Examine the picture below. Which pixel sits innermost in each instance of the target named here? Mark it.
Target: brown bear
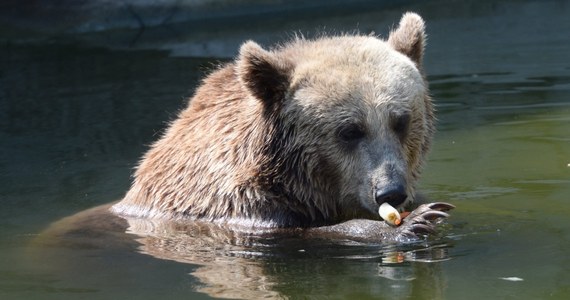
(311, 134)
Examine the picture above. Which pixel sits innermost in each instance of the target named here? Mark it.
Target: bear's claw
(423, 229)
(441, 206)
(420, 221)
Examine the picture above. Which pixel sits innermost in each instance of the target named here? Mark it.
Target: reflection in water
(432, 253)
(250, 265)
(253, 266)
(227, 265)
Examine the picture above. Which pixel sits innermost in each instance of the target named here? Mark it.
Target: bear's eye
(401, 124)
(351, 133)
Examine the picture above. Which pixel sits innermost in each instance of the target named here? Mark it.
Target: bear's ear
(263, 74)
(409, 38)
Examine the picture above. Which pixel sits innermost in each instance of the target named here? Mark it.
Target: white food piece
(389, 214)
(511, 278)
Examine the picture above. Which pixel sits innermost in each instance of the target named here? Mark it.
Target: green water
(75, 118)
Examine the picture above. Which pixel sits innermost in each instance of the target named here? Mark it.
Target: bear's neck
(226, 159)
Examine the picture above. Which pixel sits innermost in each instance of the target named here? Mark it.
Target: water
(75, 117)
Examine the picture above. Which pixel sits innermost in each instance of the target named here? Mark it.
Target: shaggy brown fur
(299, 136)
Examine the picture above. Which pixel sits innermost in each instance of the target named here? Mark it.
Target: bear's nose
(393, 194)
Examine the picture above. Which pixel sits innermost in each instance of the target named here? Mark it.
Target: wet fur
(247, 151)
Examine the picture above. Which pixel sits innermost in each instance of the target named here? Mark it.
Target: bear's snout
(393, 193)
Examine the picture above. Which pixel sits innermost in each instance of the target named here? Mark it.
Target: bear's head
(352, 118)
